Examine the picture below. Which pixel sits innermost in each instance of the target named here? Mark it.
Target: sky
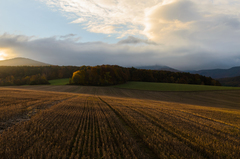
(183, 34)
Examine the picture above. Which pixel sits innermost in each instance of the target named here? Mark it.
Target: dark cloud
(134, 40)
(64, 52)
(67, 36)
(70, 37)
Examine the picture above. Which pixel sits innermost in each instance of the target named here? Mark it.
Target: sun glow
(2, 55)
(5, 54)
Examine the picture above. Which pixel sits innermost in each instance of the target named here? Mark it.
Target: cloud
(67, 36)
(70, 37)
(193, 34)
(183, 11)
(105, 16)
(66, 52)
(200, 25)
(106, 29)
(79, 20)
(175, 23)
(134, 40)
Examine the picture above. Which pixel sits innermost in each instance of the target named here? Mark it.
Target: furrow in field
(19, 112)
(209, 119)
(117, 146)
(220, 129)
(163, 129)
(156, 139)
(40, 135)
(74, 146)
(218, 126)
(200, 137)
(138, 146)
(50, 125)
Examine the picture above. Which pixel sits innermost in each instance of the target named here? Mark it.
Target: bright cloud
(189, 22)
(156, 19)
(106, 16)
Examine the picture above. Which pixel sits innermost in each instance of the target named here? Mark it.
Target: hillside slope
(233, 81)
(158, 67)
(219, 73)
(20, 61)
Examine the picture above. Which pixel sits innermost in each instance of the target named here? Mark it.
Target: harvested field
(224, 99)
(156, 86)
(17, 106)
(98, 122)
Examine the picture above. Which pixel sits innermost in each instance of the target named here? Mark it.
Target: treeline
(97, 75)
(33, 75)
(113, 74)
(232, 81)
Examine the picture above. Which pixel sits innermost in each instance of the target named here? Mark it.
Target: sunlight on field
(58, 125)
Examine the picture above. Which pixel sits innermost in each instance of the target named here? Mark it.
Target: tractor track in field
(209, 119)
(194, 124)
(181, 137)
(134, 134)
(75, 138)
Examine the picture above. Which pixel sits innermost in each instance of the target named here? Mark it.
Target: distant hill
(233, 81)
(219, 73)
(158, 67)
(20, 61)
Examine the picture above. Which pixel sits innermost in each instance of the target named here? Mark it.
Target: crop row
(16, 104)
(86, 126)
(171, 132)
(79, 127)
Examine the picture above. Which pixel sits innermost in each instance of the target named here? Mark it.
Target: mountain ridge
(158, 67)
(22, 61)
(219, 73)
(231, 81)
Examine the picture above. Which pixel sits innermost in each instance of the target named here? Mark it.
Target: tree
(79, 77)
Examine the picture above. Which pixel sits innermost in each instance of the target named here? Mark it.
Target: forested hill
(111, 75)
(98, 75)
(233, 81)
(219, 73)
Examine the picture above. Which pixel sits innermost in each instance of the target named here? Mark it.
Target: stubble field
(105, 122)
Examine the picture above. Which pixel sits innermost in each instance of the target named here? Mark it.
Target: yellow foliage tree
(79, 77)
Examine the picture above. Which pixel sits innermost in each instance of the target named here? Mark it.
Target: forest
(33, 75)
(113, 74)
(95, 75)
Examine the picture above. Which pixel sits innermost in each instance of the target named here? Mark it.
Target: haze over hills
(158, 67)
(20, 61)
(219, 73)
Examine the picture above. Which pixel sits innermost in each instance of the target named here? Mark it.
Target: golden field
(105, 122)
